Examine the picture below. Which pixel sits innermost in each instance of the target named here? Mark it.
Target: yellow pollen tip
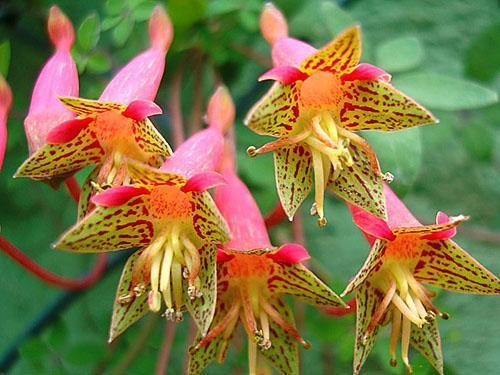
(393, 362)
(322, 222)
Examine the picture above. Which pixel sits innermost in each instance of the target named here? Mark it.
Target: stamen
(195, 258)
(279, 143)
(411, 304)
(177, 287)
(327, 121)
(422, 312)
(365, 146)
(401, 279)
(252, 357)
(319, 186)
(321, 134)
(405, 343)
(154, 298)
(399, 303)
(264, 323)
(395, 334)
(249, 321)
(382, 307)
(166, 269)
(279, 320)
(229, 318)
(424, 296)
(105, 169)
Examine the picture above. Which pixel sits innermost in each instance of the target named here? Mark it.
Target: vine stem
(73, 188)
(162, 364)
(49, 277)
(275, 216)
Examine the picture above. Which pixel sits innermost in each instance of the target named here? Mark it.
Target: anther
(192, 292)
(445, 316)
(139, 289)
(169, 314)
(393, 362)
(388, 177)
(178, 316)
(322, 222)
(185, 273)
(252, 151)
(125, 299)
(314, 210)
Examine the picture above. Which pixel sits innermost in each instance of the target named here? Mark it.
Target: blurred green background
(444, 53)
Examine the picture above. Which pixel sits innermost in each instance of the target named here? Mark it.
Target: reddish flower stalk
(275, 216)
(73, 188)
(49, 277)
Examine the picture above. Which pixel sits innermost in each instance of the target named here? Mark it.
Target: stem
(162, 364)
(197, 95)
(258, 57)
(341, 311)
(298, 230)
(174, 106)
(73, 188)
(51, 278)
(275, 216)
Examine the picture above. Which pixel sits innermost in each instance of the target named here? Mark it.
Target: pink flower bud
(273, 24)
(220, 112)
(141, 77)
(59, 77)
(5, 103)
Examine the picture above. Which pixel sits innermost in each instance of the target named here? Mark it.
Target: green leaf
(114, 7)
(335, 19)
(479, 141)
(399, 153)
(143, 10)
(110, 22)
(482, 58)
(98, 63)
(80, 60)
(400, 54)
(443, 92)
(89, 32)
(185, 13)
(57, 335)
(84, 352)
(4, 57)
(220, 7)
(122, 31)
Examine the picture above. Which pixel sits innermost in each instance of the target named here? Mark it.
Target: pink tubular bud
(220, 111)
(273, 25)
(160, 29)
(5, 103)
(59, 77)
(60, 29)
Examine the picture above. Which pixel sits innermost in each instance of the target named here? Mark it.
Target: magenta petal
(291, 52)
(117, 195)
(140, 109)
(290, 253)
(284, 74)
(203, 181)
(223, 257)
(5, 104)
(398, 215)
(442, 218)
(370, 224)
(367, 72)
(67, 131)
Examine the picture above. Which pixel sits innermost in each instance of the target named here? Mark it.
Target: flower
(5, 103)
(112, 128)
(389, 287)
(59, 77)
(321, 98)
(170, 216)
(252, 276)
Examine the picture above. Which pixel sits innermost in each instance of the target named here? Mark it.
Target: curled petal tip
(117, 196)
(140, 109)
(272, 23)
(221, 111)
(60, 29)
(291, 253)
(283, 74)
(161, 31)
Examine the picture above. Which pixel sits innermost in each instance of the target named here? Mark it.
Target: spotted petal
(63, 159)
(300, 282)
(360, 184)
(142, 174)
(87, 107)
(277, 112)
(110, 228)
(293, 173)
(429, 231)
(87, 190)
(446, 265)
(207, 221)
(128, 310)
(283, 353)
(428, 342)
(376, 105)
(373, 262)
(341, 55)
(149, 139)
(202, 308)
(367, 302)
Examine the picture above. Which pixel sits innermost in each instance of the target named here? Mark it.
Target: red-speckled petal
(110, 228)
(372, 264)
(140, 109)
(367, 301)
(290, 253)
(376, 105)
(62, 160)
(203, 181)
(149, 140)
(367, 72)
(87, 107)
(446, 265)
(277, 112)
(118, 195)
(360, 184)
(207, 221)
(142, 174)
(341, 55)
(428, 342)
(298, 281)
(126, 311)
(435, 231)
(87, 190)
(67, 131)
(293, 170)
(284, 74)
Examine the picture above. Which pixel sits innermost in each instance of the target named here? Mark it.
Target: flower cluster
(213, 257)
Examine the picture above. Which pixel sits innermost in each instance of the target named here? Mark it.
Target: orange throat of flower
(406, 301)
(172, 257)
(250, 299)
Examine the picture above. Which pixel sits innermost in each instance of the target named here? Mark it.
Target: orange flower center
(404, 246)
(245, 266)
(169, 202)
(321, 89)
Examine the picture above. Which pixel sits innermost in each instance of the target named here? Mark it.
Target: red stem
(52, 278)
(162, 364)
(341, 311)
(73, 188)
(276, 216)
